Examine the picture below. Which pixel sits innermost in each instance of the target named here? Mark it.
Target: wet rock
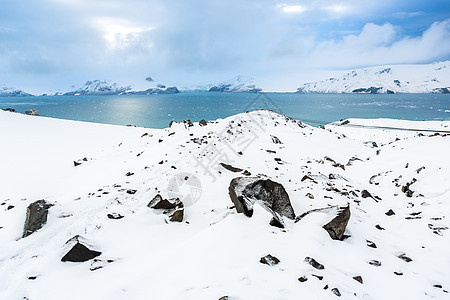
(336, 227)
(336, 292)
(36, 216)
(269, 260)
(231, 168)
(390, 213)
(79, 251)
(314, 263)
(245, 191)
(358, 278)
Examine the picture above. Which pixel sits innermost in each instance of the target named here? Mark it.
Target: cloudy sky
(51, 44)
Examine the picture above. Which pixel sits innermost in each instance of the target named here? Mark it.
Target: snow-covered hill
(97, 181)
(236, 85)
(99, 87)
(430, 78)
(12, 92)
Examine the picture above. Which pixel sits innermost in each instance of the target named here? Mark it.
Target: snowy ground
(215, 251)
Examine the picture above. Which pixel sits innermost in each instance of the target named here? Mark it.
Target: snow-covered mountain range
(12, 92)
(100, 87)
(428, 78)
(236, 85)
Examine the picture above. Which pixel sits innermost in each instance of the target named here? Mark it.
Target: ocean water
(156, 111)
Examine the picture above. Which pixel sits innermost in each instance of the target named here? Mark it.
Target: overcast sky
(46, 44)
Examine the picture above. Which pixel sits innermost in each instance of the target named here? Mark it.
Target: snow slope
(215, 252)
(237, 84)
(430, 78)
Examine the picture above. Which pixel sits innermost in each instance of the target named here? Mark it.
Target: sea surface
(156, 111)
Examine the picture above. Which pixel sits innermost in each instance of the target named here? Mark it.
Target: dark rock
(246, 173)
(224, 298)
(202, 123)
(366, 194)
(303, 279)
(390, 213)
(325, 287)
(317, 276)
(405, 189)
(36, 216)
(114, 216)
(99, 263)
(276, 140)
(75, 164)
(404, 257)
(336, 292)
(306, 177)
(231, 168)
(10, 207)
(80, 253)
(131, 192)
(269, 260)
(245, 191)
(345, 122)
(177, 215)
(379, 227)
(310, 196)
(336, 227)
(188, 123)
(439, 286)
(276, 222)
(314, 263)
(375, 263)
(398, 273)
(371, 244)
(129, 174)
(32, 277)
(159, 203)
(359, 279)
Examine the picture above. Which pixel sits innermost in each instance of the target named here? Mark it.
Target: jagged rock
(79, 252)
(336, 227)
(231, 168)
(314, 263)
(358, 278)
(174, 207)
(390, 213)
(366, 194)
(269, 260)
(245, 191)
(36, 216)
(371, 244)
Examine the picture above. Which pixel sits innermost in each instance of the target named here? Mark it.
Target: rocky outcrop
(336, 227)
(269, 260)
(32, 112)
(173, 208)
(245, 191)
(79, 251)
(36, 216)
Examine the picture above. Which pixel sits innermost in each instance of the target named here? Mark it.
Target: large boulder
(245, 191)
(36, 216)
(336, 227)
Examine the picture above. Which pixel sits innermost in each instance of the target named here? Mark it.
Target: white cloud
(377, 45)
(291, 8)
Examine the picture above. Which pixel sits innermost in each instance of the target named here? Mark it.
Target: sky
(46, 45)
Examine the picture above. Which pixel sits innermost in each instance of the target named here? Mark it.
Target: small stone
(336, 292)
(366, 194)
(358, 278)
(10, 207)
(404, 257)
(317, 276)
(306, 177)
(310, 196)
(269, 260)
(303, 279)
(246, 173)
(75, 164)
(390, 213)
(314, 263)
(177, 215)
(375, 263)
(379, 227)
(114, 216)
(129, 174)
(231, 168)
(202, 123)
(437, 286)
(131, 192)
(325, 287)
(398, 273)
(371, 244)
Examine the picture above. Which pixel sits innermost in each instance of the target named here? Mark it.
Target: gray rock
(174, 207)
(336, 227)
(358, 278)
(314, 263)
(269, 260)
(245, 191)
(36, 216)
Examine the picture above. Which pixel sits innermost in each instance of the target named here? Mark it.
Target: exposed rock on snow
(245, 191)
(314, 263)
(174, 208)
(36, 216)
(79, 252)
(12, 92)
(269, 260)
(336, 227)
